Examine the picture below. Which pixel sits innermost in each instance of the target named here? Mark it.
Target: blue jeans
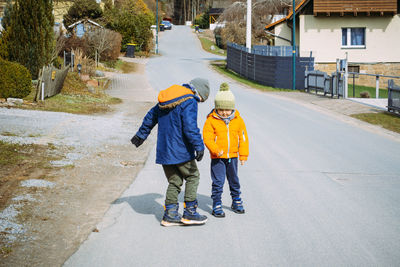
(221, 168)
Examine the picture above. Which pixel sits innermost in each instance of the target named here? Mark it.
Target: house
(214, 14)
(368, 31)
(83, 26)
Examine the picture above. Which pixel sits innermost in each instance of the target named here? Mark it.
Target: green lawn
(220, 66)
(383, 93)
(206, 44)
(386, 120)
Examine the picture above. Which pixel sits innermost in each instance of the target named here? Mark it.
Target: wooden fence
(50, 82)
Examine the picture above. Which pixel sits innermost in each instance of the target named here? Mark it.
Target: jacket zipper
(229, 144)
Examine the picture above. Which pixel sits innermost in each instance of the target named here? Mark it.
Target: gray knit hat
(224, 99)
(202, 87)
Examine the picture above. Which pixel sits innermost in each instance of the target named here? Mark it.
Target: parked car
(167, 24)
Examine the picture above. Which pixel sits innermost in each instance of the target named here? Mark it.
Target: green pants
(176, 174)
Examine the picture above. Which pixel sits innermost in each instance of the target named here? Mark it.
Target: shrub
(15, 80)
(3, 45)
(203, 20)
(132, 19)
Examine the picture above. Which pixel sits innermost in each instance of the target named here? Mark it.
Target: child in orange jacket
(226, 138)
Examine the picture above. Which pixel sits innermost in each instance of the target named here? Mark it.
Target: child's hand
(242, 162)
(220, 153)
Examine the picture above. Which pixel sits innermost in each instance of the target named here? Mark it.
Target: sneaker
(171, 215)
(217, 211)
(190, 215)
(237, 205)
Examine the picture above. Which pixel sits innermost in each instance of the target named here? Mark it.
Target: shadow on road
(148, 204)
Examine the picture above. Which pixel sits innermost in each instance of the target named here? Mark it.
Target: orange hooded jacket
(231, 139)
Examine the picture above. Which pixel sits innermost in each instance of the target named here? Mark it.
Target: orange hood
(174, 95)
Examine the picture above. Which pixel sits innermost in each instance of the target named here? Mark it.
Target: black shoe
(218, 212)
(237, 205)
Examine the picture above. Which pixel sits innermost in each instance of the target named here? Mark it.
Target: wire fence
(359, 83)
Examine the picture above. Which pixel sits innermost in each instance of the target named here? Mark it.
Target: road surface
(317, 191)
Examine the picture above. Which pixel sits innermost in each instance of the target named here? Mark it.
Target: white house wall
(323, 36)
(284, 31)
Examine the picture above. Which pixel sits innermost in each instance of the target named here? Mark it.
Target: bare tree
(101, 39)
(60, 41)
(234, 19)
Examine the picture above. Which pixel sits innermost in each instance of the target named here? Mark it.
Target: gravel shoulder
(47, 220)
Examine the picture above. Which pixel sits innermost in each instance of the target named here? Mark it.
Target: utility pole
(248, 26)
(294, 45)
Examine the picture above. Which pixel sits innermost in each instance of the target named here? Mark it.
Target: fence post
(346, 79)
(254, 65)
(337, 77)
(240, 66)
(42, 94)
(377, 87)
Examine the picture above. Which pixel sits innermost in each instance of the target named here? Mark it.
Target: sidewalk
(341, 106)
(380, 103)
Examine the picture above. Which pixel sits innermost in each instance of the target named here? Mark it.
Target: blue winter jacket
(178, 135)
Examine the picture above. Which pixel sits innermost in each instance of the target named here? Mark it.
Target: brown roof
(289, 16)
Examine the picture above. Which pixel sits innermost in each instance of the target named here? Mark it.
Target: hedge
(15, 80)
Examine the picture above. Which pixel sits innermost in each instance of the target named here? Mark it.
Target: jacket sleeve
(243, 142)
(149, 121)
(189, 124)
(209, 138)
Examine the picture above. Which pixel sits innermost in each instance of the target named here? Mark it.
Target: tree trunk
(184, 11)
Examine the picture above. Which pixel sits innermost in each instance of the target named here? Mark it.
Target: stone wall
(392, 69)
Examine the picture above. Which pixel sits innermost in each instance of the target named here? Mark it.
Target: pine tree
(30, 34)
(5, 22)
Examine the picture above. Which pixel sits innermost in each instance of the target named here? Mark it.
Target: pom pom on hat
(224, 87)
(224, 99)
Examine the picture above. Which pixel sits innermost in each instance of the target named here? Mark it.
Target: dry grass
(17, 163)
(75, 97)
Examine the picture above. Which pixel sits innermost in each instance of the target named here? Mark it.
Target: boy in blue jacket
(179, 143)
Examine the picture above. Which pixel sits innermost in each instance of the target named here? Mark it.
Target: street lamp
(157, 27)
(79, 67)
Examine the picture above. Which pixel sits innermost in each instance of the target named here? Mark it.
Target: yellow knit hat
(224, 99)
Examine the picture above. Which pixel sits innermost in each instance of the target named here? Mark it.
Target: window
(354, 70)
(353, 37)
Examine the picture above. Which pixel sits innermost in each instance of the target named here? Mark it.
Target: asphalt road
(317, 191)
